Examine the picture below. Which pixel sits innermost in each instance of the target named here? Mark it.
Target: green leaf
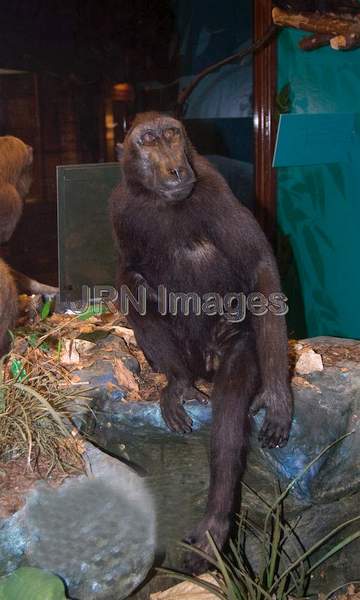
(17, 370)
(32, 339)
(321, 543)
(93, 311)
(45, 311)
(29, 583)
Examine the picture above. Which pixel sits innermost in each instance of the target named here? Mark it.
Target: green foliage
(29, 583)
(284, 569)
(46, 308)
(33, 341)
(93, 311)
(17, 370)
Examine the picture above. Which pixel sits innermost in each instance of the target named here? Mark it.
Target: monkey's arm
(26, 285)
(156, 339)
(246, 247)
(127, 273)
(272, 349)
(134, 280)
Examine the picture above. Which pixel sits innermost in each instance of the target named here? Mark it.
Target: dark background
(61, 63)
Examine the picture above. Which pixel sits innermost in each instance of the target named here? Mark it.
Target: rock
(83, 346)
(188, 591)
(327, 405)
(96, 532)
(308, 362)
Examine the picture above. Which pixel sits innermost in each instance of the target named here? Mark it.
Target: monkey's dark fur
(177, 224)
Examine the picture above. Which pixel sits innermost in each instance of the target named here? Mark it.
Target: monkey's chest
(197, 267)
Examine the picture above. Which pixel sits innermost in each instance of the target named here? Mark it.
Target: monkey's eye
(171, 133)
(148, 139)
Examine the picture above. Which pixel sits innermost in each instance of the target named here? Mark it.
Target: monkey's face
(161, 158)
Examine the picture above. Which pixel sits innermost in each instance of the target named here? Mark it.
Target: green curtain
(319, 206)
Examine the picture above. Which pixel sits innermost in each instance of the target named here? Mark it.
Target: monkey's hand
(278, 406)
(171, 404)
(135, 279)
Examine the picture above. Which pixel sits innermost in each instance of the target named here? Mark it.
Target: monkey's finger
(177, 419)
(264, 434)
(184, 421)
(182, 426)
(273, 435)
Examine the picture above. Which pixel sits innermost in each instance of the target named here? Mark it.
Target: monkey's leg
(27, 285)
(155, 337)
(235, 385)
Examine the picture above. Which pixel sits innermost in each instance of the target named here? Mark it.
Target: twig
(316, 22)
(185, 93)
(313, 42)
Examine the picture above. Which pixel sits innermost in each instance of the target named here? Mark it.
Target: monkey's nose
(177, 173)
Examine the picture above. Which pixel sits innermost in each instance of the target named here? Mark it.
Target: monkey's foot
(171, 404)
(275, 429)
(218, 528)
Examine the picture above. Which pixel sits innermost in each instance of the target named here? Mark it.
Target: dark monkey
(16, 160)
(177, 224)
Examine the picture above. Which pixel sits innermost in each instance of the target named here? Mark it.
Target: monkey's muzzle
(178, 183)
(179, 192)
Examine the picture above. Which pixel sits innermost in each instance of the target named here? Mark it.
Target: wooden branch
(313, 42)
(316, 22)
(255, 47)
(345, 42)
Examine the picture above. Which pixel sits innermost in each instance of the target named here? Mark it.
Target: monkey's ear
(119, 149)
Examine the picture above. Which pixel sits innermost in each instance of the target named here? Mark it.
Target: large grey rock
(327, 405)
(97, 532)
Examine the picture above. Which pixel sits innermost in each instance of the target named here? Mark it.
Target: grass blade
(317, 545)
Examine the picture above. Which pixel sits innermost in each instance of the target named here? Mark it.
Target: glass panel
(86, 248)
(219, 112)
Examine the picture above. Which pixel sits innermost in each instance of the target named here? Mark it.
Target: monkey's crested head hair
(158, 157)
(16, 158)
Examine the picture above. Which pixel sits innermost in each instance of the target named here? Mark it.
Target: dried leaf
(125, 333)
(69, 354)
(302, 382)
(124, 377)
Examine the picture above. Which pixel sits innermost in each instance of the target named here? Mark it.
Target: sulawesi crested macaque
(16, 160)
(178, 225)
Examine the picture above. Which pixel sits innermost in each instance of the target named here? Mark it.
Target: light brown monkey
(16, 160)
(8, 306)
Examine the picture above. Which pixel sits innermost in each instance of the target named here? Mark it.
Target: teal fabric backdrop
(319, 206)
